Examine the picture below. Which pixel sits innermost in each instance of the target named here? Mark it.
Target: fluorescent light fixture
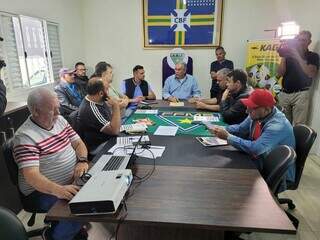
(288, 30)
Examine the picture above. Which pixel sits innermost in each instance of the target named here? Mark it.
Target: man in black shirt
(97, 122)
(81, 78)
(217, 65)
(232, 109)
(298, 67)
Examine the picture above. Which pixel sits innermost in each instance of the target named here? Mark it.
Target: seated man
(213, 104)
(136, 88)
(96, 122)
(180, 86)
(264, 129)
(68, 92)
(231, 108)
(81, 78)
(49, 155)
(104, 71)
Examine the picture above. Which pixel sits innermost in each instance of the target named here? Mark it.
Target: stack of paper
(176, 104)
(133, 128)
(211, 118)
(146, 111)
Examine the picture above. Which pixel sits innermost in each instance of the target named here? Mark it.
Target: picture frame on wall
(182, 23)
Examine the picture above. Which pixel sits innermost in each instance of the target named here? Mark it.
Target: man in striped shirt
(49, 155)
(97, 119)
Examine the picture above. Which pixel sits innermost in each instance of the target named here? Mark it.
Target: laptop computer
(111, 163)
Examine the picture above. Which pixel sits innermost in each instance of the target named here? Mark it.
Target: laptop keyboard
(114, 163)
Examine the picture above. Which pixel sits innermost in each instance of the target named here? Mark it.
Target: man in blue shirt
(137, 89)
(217, 65)
(181, 85)
(264, 129)
(68, 92)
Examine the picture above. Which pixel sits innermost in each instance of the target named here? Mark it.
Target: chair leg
(293, 219)
(288, 201)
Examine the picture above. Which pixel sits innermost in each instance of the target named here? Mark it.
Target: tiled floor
(306, 199)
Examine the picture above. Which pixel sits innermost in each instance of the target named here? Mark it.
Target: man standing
(97, 122)
(49, 155)
(220, 63)
(137, 89)
(231, 108)
(213, 104)
(298, 67)
(68, 92)
(181, 86)
(80, 77)
(264, 129)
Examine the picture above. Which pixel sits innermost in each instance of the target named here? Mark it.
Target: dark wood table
(194, 193)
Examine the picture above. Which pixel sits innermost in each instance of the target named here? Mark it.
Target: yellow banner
(262, 63)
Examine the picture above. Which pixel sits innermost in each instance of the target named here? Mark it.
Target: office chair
(275, 167)
(7, 151)
(305, 137)
(11, 227)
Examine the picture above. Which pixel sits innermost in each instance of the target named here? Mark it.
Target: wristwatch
(82, 159)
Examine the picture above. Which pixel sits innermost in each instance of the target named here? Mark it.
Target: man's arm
(151, 95)
(42, 184)
(113, 127)
(82, 154)
(195, 89)
(166, 89)
(214, 107)
(3, 99)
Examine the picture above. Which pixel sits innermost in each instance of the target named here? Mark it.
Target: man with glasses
(69, 95)
(299, 67)
(80, 77)
(264, 129)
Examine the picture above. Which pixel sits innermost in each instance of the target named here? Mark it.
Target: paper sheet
(166, 131)
(176, 104)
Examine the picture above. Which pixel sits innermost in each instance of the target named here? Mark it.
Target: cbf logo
(180, 19)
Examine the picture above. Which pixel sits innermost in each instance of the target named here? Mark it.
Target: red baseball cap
(259, 98)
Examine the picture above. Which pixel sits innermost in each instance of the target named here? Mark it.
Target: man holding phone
(99, 115)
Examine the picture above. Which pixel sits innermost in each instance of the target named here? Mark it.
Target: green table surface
(183, 122)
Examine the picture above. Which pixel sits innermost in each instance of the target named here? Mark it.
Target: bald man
(49, 155)
(181, 86)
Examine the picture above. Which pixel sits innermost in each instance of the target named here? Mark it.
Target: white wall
(68, 13)
(113, 33)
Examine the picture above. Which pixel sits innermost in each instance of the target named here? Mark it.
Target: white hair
(183, 64)
(37, 96)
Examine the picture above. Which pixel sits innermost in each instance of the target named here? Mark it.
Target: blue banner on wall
(183, 23)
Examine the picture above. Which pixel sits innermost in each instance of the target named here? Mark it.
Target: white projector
(102, 193)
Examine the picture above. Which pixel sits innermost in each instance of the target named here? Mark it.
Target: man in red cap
(265, 128)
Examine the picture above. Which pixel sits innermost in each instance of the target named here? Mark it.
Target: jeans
(65, 230)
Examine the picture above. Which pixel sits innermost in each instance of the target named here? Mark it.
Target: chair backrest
(167, 71)
(305, 137)
(7, 151)
(276, 164)
(11, 227)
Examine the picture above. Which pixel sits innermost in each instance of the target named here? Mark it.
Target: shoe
(81, 235)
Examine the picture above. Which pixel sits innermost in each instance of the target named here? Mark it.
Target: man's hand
(80, 169)
(66, 191)
(123, 103)
(225, 95)
(193, 99)
(219, 132)
(173, 99)
(138, 99)
(200, 105)
(113, 102)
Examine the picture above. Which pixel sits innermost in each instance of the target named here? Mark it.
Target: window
(31, 49)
